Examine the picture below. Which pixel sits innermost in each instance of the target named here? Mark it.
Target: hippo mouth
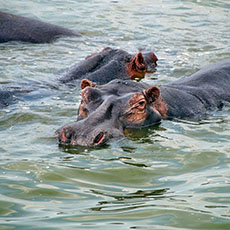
(69, 137)
(66, 139)
(73, 135)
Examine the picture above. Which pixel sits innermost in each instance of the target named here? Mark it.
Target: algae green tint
(171, 176)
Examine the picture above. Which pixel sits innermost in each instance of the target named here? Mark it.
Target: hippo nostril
(63, 136)
(99, 138)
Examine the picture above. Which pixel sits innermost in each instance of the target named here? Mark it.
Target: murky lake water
(173, 176)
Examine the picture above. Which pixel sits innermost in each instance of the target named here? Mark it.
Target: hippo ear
(152, 93)
(86, 82)
(140, 63)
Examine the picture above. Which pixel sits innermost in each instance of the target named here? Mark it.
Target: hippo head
(107, 110)
(133, 66)
(112, 64)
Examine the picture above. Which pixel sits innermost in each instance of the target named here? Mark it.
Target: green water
(173, 176)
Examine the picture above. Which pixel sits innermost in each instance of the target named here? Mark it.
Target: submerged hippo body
(18, 28)
(7, 97)
(107, 110)
(10, 95)
(111, 64)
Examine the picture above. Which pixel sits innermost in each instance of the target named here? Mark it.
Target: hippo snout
(69, 136)
(151, 61)
(76, 134)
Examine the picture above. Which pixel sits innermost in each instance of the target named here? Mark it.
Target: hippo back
(18, 28)
(203, 91)
(212, 76)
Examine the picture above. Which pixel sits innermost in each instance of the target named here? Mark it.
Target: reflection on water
(171, 176)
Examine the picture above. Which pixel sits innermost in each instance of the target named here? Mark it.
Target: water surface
(172, 176)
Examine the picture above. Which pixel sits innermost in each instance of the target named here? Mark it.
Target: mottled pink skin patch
(63, 137)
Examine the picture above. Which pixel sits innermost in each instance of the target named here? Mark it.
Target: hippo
(109, 64)
(100, 68)
(18, 28)
(10, 95)
(7, 97)
(107, 110)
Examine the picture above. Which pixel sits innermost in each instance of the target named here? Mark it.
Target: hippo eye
(141, 104)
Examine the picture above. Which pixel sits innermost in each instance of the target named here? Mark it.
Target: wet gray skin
(107, 110)
(94, 95)
(116, 113)
(110, 64)
(18, 28)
